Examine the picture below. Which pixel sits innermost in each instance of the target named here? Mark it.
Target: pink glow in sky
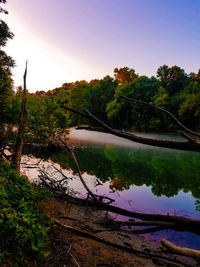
(69, 40)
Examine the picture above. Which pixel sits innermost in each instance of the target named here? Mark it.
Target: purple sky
(69, 40)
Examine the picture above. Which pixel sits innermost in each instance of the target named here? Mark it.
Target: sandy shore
(71, 249)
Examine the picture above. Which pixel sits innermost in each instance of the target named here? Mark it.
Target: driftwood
(190, 145)
(158, 221)
(163, 221)
(127, 248)
(23, 116)
(167, 246)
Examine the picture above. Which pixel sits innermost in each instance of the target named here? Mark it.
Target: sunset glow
(70, 40)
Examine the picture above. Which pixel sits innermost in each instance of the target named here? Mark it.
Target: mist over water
(139, 177)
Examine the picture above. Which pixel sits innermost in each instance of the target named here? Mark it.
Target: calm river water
(139, 177)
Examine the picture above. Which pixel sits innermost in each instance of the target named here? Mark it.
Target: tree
(2, 10)
(99, 95)
(190, 104)
(76, 100)
(124, 75)
(6, 63)
(5, 33)
(172, 78)
(124, 114)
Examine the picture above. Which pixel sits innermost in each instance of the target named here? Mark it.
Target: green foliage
(23, 227)
(6, 63)
(172, 78)
(161, 98)
(45, 117)
(5, 33)
(77, 100)
(191, 97)
(126, 114)
(98, 96)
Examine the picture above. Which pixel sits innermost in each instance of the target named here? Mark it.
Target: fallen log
(127, 248)
(167, 246)
(190, 145)
(165, 221)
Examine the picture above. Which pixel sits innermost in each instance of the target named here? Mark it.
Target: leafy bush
(23, 226)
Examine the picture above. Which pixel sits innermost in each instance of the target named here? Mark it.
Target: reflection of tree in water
(118, 184)
(172, 172)
(166, 171)
(197, 204)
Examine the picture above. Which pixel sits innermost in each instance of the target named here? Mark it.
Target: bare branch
(124, 247)
(68, 251)
(78, 171)
(164, 111)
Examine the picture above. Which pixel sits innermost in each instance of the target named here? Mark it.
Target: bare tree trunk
(190, 145)
(20, 136)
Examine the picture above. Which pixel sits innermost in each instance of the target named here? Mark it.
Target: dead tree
(20, 135)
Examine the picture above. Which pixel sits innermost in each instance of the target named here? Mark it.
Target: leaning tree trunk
(20, 136)
(190, 145)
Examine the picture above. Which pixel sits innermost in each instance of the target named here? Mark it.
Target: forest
(172, 89)
(42, 118)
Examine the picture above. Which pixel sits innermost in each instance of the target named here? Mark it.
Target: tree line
(172, 89)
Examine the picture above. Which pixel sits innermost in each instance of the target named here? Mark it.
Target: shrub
(23, 226)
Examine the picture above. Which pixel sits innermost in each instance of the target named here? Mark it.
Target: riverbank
(76, 245)
(141, 174)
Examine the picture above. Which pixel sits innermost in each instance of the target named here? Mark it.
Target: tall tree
(172, 78)
(124, 75)
(124, 114)
(76, 100)
(99, 95)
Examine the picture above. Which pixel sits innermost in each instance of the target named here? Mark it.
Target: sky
(70, 40)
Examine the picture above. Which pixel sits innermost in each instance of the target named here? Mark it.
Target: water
(139, 177)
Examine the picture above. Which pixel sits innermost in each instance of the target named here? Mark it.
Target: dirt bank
(69, 248)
